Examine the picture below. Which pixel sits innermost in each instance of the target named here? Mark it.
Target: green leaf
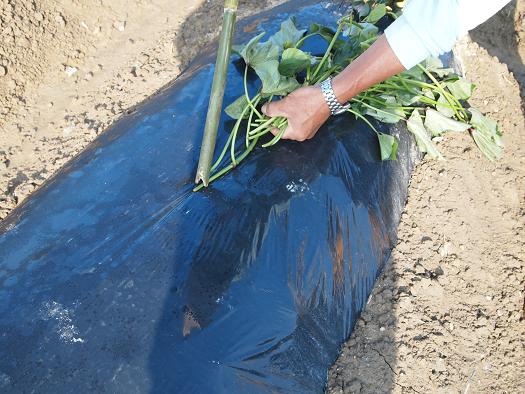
(486, 135)
(485, 125)
(294, 61)
(415, 72)
(461, 88)
(491, 150)
(389, 113)
(388, 146)
(435, 65)
(363, 31)
(264, 59)
(406, 98)
(345, 53)
(325, 32)
(251, 51)
(443, 106)
(364, 45)
(288, 36)
(429, 93)
(416, 127)
(363, 9)
(437, 123)
(345, 24)
(284, 86)
(235, 109)
(377, 13)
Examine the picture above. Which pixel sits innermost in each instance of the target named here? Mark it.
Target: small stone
(39, 17)
(425, 238)
(438, 271)
(446, 249)
(120, 25)
(3, 71)
(67, 131)
(59, 18)
(84, 25)
(70, 70)
(403, 290)
(440, 365)
(355, 386)
(382, 329)
(419, 269)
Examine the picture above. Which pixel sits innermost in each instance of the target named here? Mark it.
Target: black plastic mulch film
(116, 277)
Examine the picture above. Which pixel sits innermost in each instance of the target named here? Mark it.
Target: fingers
(275, 108)
(289, 134)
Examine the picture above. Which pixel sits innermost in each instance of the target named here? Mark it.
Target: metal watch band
(335, 106)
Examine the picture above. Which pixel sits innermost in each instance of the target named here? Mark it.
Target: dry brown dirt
(446, 315)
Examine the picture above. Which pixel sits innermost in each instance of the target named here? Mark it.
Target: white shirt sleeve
(431, 27)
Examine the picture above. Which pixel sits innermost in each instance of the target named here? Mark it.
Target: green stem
(328, 51)
(229, 141)
(261, 127)
(442, 91)
(247, 95)
(358, 115)
(326, 74)
(250, 123)
(217, 175)
(386, 105)
(377, 109)
(302, 40)
(275, 139)
(277, 123)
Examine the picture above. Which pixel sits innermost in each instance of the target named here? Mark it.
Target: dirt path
(447, 315)
(71, 69)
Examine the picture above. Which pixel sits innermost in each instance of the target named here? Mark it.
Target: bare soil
(446, 315)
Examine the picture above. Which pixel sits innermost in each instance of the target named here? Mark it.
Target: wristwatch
(335, 106)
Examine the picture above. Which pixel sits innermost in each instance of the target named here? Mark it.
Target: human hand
(305, 109)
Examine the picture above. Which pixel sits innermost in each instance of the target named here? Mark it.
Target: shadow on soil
(203, 26)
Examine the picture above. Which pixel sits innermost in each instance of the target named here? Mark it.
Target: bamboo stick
(217, 92)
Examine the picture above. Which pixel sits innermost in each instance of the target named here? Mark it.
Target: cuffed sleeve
(431, 27)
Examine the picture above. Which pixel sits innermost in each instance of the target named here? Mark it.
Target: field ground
(446, 315)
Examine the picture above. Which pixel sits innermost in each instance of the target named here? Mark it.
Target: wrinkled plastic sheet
(116, 277)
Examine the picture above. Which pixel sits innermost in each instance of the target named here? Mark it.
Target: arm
(306, 108)
(426, 28)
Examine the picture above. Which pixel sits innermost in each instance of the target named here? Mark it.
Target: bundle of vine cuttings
(430, 98)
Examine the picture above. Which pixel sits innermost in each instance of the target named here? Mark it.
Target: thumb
(274, 108)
